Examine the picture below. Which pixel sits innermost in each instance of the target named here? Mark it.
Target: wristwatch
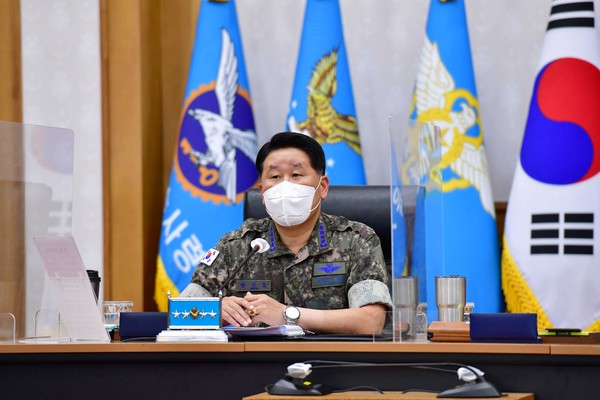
(291, 315)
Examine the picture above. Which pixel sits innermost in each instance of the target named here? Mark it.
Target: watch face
(292, 313)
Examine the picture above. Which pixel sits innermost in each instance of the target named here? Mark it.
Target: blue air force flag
(445, 95)
(551, 258)
(216, 150)
(322, 103)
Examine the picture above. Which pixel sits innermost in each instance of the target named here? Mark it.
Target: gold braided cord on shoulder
(519, 297)
(162, 285)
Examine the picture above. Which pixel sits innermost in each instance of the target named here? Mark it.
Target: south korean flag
(210, 256)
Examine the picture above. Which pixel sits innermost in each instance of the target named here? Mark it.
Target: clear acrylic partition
(417, 231)
(48, 327)
(36, 175)
(8, 328)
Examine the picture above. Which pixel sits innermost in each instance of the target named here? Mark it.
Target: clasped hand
(252, 309)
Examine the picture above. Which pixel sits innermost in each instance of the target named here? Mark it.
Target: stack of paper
(199, 335)
(276, 330)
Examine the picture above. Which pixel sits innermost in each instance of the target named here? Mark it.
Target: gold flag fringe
(162, 285)
(519, 297)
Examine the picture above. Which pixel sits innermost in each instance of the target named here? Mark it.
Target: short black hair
(300, 141)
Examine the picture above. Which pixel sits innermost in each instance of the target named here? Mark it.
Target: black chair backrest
(367, 204)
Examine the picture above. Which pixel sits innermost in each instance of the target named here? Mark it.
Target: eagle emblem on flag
(456, 112)
(323, 122)
(213, 163)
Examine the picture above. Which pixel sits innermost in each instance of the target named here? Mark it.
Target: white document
(72, 289)
(275, 330)
(197, 335)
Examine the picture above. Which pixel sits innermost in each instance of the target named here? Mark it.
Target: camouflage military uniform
(341, 266)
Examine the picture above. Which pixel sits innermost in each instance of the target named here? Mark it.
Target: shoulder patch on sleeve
(210, 256)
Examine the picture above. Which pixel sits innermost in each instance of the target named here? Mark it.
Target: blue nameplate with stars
(195, 313)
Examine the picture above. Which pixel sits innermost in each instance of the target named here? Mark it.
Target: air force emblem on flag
(323, 122)
(456, 111)
(322, 102)
(210, 256)
(217, 136)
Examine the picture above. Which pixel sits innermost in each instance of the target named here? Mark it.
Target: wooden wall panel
(500, 218)
(152, 145)
(132, 130)
(146, 48)
(12, 194)
(12, 251)
(178, 29)
(11, 95)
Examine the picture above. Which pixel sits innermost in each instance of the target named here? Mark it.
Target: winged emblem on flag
(221, 136)
(323, 122)
(436, 100)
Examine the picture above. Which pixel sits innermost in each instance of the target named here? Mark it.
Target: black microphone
(258, 245)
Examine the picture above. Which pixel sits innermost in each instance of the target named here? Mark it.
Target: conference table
(234, 370)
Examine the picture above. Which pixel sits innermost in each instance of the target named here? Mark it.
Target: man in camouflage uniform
(331, 270)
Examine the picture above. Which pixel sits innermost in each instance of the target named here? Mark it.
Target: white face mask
(290, 204)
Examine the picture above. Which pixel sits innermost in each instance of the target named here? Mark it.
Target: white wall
(61, 88)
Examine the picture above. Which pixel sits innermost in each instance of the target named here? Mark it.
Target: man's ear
(260, 188)
(324, 186)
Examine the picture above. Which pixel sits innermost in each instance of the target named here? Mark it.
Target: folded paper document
(171, 335)
(276, 330)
